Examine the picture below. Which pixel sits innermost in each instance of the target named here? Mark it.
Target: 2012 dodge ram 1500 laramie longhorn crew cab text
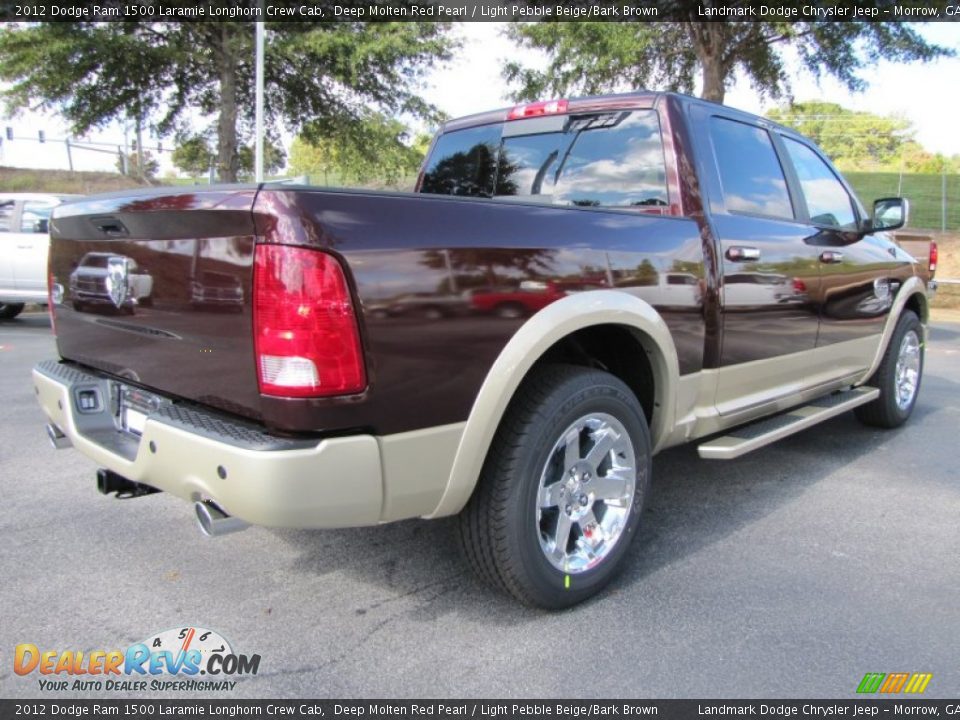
(654, 270)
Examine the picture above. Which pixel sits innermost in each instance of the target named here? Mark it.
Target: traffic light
(9, 133)
(159, 146)
(42, 135)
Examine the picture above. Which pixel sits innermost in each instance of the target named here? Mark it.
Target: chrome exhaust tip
(58, 440)
(214, 522)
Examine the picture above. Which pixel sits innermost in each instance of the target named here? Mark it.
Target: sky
(922, 93)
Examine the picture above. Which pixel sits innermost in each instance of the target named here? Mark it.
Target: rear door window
(750, 174)
(610, 159)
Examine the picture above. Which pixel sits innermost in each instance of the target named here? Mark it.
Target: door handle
(831, 257)
(739, 253)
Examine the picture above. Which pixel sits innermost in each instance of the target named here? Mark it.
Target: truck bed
(413, 262)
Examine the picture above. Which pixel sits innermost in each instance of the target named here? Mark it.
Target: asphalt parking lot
(791, 572)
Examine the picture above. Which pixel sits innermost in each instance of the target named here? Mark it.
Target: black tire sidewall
(888, 383)
(570, 400)
(8, 311)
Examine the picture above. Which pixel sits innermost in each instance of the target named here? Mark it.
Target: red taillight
(934, 256)
(545, 107)
(307, 341)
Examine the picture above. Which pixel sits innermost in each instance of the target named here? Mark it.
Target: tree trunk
(227, 124)
(709, 42)
(713, 79)
(141, 171)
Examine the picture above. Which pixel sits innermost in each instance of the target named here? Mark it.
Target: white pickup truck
(24, 242)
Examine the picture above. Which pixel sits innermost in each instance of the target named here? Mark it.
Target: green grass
(62, 181)
(923, 191)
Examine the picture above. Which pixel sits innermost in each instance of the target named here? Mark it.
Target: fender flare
(912, 286)
(527, 346)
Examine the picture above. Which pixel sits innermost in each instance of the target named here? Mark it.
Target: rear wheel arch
(620, 350)
(920, 306)
(572, 330)
(912, 296)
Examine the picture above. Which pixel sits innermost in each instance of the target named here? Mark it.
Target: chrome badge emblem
(118, 281)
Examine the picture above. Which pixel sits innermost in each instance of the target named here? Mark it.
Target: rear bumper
(197, 455)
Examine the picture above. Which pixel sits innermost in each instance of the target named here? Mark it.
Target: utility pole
(69, 154)
(140, 162)
(258, 123)
(126, 147)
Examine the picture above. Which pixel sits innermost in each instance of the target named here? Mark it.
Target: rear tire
(8, 311)
(898, 376)
(562, 489)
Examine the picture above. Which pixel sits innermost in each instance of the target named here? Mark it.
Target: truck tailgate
(156, 288)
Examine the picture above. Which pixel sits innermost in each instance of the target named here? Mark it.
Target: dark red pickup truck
(706, 275)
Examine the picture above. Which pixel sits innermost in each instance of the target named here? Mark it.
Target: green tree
(274, 158)
(192, 155)
(381, 152)
(596, 57)
(916, 159)
(311, 159)
(320, 77)
(854, 140)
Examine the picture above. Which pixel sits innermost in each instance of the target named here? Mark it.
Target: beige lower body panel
(416, 466)
(712, 401)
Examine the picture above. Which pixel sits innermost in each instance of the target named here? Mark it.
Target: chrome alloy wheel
(907, 375)
(585, 493)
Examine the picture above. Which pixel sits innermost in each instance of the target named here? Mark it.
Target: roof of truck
(637, 99)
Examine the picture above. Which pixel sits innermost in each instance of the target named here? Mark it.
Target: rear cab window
(605, 160)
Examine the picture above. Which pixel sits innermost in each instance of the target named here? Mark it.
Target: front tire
(8, 311)
(562, 489)
(898, 376)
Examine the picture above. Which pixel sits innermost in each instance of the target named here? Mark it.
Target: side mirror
(889, 214)
(41, 226)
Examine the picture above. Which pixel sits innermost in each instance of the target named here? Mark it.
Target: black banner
(483, 10)
(487, 709)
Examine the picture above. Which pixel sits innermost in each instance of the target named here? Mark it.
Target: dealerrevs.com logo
(173, 660)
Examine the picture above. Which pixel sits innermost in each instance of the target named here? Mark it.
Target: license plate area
(133, 407)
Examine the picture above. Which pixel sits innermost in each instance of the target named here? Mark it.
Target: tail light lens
(934, 256)
(307, 341)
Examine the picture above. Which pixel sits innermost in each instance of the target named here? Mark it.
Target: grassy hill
(62, 181)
